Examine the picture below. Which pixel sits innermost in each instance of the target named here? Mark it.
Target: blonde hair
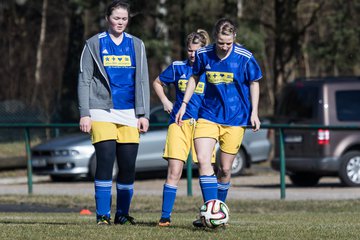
(200, 36)
(224, 26)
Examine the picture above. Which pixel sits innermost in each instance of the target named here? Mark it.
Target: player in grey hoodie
(114, 104)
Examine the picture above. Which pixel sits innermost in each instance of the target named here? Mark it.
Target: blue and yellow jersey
(119, 63)
(227, 96)
(178, 73)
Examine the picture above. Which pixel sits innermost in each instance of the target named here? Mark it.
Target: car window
(346, 105)
(299, 102)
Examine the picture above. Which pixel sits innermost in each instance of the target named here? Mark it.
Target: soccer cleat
(124, 219)
(198, 223)
(164, 222)
(103, 220)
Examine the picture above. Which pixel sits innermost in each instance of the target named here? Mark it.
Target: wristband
(185, 102)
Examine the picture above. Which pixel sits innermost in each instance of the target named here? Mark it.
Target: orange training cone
(85, 212)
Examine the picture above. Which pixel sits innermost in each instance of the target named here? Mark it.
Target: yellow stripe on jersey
(117, 61)
(182, 83)
(219, 77)
(199, 88)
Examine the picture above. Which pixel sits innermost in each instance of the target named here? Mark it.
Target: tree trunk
(39, 52)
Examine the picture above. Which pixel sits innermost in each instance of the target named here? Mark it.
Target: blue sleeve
(252, 70)
(168, 75)
(197, 66)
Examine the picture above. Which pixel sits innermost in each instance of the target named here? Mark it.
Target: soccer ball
(214, 213)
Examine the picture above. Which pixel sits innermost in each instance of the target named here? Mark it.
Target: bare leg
(175, 168)
(226, 161)
(204, 149)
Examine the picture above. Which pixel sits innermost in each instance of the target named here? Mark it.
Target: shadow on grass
(179, 226)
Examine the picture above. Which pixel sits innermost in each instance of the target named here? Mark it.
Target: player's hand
(85, 124)
(255, 122)
(180, 114)
(143, 125)
(168, 106)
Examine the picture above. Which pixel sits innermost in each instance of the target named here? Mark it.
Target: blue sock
(223, 190)
(123, 198)
(169, 195)
(208, 186)
(103, 197)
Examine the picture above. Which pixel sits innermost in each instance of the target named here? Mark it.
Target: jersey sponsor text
(219, 77)
(117, 61)
(198, 90)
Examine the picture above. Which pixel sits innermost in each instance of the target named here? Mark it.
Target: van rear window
(347, 105)
(299, 103)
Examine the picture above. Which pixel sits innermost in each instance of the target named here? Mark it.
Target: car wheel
(92, 168)
(304, 179)
(238, 166)
(350, 169)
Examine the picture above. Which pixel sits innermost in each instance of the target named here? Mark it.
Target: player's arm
(159, 89)
(84, 81)
(190, 88)
(255, 93)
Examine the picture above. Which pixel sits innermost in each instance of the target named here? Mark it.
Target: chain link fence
(15, 111)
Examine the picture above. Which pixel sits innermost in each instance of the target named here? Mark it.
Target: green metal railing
(27, 127)
(277, 127)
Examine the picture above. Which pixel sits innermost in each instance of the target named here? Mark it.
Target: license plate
(293, 139)
(39, 162)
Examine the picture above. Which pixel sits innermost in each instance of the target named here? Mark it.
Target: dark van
(313, 153)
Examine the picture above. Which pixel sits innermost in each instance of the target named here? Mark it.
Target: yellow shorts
(229, 137)
(180, 141)
(102, 131)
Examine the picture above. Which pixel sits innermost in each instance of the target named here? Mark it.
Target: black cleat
(124, 219)
(198, 223)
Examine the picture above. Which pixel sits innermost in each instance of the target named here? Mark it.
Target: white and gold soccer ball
(214, 213)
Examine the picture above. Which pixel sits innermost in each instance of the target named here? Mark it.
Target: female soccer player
(230, 104)
(179, 139)
(114, 99)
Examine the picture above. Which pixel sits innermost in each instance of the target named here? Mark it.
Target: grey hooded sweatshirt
(93, 83)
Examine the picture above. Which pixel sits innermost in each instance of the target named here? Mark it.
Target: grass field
(266, 219)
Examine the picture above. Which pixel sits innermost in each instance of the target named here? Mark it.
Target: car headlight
(74, 152)
(58, 153)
